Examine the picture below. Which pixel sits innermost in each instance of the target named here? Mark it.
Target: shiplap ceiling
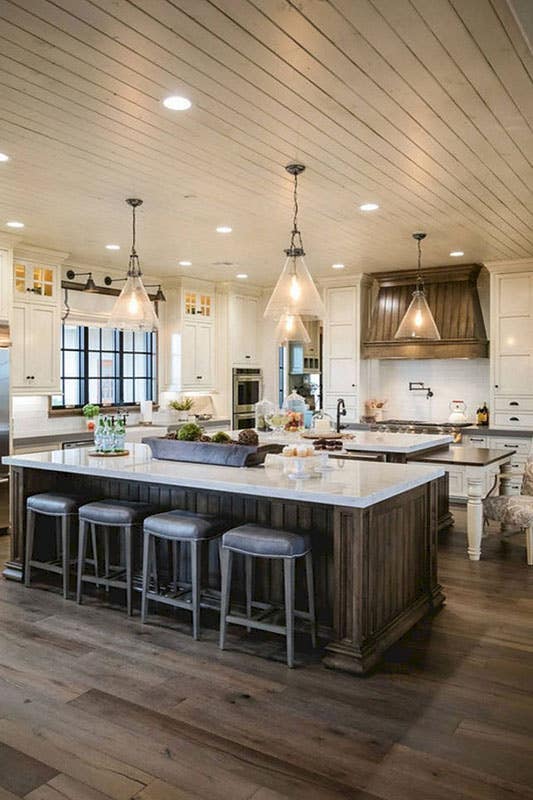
(423, 106)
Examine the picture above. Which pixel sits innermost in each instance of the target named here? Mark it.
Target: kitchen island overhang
(373, 528)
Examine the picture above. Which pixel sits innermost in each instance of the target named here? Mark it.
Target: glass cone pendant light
(133, 309)
(295, 292)
(290, 328)
(418, 322)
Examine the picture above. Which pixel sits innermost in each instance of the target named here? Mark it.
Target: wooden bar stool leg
(65, 553)
(311, 595)
(127, 550)
(82, 547)
(196, 571)
(147, 550)
(288, 571)
(30, 534)
(248, 576)
(226, 560)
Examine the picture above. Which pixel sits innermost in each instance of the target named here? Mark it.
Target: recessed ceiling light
(224, 229)
(337, 266)
(3, 157)
(369, 207)
(112, 247)
(177, 103)
(241, 275)
(15, 224)
(457, 253)
(185, 263)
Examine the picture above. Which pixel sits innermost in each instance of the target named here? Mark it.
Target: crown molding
(9, 240)
(515, 265)
(34, 253)
(338, 281)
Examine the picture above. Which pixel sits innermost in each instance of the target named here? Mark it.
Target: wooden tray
(96, 454)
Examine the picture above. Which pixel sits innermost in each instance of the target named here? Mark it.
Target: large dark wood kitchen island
(373, 528)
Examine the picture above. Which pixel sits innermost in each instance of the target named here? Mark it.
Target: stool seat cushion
(55, 503)
(184, 525)
(115, 512)
(257, 540)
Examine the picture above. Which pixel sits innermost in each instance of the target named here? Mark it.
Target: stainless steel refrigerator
(4, 438)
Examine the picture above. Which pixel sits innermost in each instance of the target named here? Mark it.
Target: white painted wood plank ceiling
(423, 106)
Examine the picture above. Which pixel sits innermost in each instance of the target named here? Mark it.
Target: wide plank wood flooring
(94, 705)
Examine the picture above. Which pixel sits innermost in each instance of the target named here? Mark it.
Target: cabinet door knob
(198, 377)
(514, 403)
(496, 385)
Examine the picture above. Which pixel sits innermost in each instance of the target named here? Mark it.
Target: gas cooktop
(417, 423)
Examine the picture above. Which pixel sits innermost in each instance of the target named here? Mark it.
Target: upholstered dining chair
(515, 511)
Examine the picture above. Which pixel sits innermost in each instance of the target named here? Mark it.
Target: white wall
(449, 379)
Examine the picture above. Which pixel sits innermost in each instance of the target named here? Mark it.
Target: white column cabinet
(512, 344)
(243, 328)
(36, 321)
(345, 308)
(35, 356)
(6, 285)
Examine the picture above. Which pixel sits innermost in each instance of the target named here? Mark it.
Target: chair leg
(95, 554)
(129, 578)
(82, 547)
(288, 572)
(175, 562)
(153, 563)
(30, 534)
(107, 560)
(196, 572)
(65, 552)
(146, 575)
(226, 560)
(311, 595)
(248, 576)
(58, 538)
(529, 545)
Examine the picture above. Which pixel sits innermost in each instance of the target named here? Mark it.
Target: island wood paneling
(376, 570)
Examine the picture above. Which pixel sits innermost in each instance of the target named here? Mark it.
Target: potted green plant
(182, 406)
(90, 411)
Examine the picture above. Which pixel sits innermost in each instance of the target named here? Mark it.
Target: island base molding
(375, 568)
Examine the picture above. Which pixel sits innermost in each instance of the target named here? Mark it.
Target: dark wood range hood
(454, 301)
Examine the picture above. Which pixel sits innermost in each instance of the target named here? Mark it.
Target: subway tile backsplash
(449, 379)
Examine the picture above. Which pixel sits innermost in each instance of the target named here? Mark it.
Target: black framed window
(106, 366)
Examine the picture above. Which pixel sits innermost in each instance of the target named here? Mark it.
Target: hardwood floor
(96, 706)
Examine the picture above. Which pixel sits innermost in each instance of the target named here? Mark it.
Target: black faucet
(419, 386)
(341, 412)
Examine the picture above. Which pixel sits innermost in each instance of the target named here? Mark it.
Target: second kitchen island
(373, 529)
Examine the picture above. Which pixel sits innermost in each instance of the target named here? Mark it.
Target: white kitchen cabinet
(35, 282)
(35, 354)
(243, 330)
(196, 357)
(341, 349)
(512, 346)
(198, 304)
(6, 285)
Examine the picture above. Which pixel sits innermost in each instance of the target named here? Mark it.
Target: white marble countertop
(377, 442)
(354, 484)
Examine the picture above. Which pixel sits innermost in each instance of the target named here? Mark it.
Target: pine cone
(248, 436)
(205, 438)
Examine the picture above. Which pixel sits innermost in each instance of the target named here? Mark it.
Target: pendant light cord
(296, 247)
(419, 280)
(134, 268)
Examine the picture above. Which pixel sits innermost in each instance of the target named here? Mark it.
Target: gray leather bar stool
(178, 527)
(256, 541)
(64, 509)
(124, 516)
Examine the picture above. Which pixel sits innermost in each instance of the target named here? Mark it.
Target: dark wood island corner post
(13, 568)
(375, 601)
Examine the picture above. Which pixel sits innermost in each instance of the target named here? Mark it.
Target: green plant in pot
(90, 411)
(182, 406)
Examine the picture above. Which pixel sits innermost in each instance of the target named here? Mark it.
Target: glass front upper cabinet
(33, 281)
(198, 304)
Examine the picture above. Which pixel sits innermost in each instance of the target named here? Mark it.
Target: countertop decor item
(295, 293)
(183, 405)
(418, 322)
(100, 454)
(458, 412)
(224, 455)
(133, 309)
(90, 411)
